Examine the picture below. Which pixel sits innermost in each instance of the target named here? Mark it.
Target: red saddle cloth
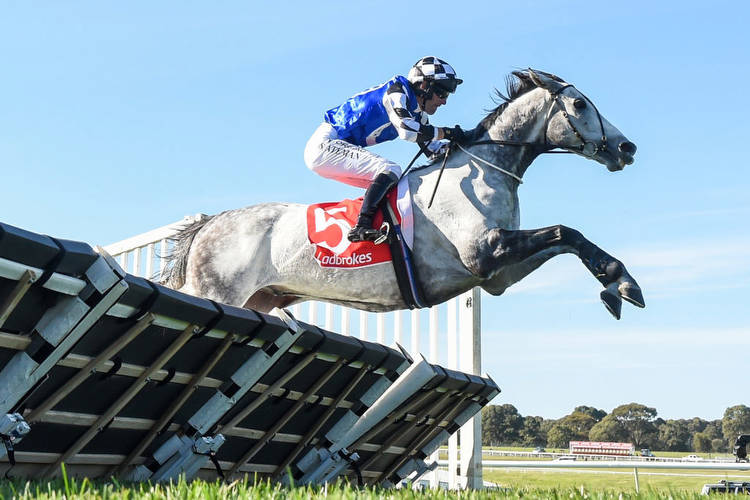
(328, 225)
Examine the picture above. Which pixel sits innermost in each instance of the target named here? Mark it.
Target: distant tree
(736, 421)
(595, 413)
(713, 429)
(580, 423)
(719, 445)
(511, 424)
(609, 429)
(490, 426)
(696, 425)
(638, 422)
(531, 432)
(560, 435)
(674, 435)
(701, 442)
(547, 425)
(501, 425)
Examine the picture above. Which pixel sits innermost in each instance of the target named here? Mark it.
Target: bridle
(586, 148)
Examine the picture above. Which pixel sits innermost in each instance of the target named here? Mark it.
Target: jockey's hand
(455, 134)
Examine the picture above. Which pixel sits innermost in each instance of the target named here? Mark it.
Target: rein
(511, 174)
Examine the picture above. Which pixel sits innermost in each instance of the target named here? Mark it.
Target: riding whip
(422, 149)
(442, 167)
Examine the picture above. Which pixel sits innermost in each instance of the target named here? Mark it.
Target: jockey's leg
(333, 158)
(364, 231)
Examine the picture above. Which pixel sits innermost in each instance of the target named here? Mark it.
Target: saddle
(329, 223)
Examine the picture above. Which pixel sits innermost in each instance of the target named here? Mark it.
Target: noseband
(587, 148)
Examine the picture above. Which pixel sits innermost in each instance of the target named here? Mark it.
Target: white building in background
(601, 448)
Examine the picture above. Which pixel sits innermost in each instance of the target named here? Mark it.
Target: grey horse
(259, 256)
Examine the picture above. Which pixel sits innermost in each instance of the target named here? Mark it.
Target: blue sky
(120, 117)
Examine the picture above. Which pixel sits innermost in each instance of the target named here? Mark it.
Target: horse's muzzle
(626, 150)
(627, 147)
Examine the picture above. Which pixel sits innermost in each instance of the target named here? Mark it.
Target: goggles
(442, 88)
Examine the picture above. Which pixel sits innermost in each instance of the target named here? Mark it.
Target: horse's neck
(481, 194)
(524, 121)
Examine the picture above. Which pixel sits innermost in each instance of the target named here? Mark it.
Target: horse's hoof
(632, 294)
(612, 302)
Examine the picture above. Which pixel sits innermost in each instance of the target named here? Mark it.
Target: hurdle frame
(460, 333)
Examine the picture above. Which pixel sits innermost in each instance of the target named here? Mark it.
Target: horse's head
(574, 123)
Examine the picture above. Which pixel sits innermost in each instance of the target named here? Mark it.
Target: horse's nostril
(627, 147)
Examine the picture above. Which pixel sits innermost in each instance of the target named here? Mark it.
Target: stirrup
(385, 231)
(361, 233)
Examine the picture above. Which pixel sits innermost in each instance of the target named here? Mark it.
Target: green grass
(201, 490)
(514, 484)
(662, 480)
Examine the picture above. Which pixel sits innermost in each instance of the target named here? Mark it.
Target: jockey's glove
(455, 134)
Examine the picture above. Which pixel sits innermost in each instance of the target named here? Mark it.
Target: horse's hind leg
(514, 254)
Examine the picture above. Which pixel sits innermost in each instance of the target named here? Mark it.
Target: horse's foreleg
(511, 255)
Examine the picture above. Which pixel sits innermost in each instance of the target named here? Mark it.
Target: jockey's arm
(433, 147)
(408, 126)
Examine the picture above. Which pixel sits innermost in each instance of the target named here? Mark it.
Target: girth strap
(406, 273)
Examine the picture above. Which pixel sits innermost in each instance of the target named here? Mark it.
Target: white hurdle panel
(448, 334)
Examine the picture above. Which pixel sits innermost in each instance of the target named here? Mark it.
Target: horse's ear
(544, 80)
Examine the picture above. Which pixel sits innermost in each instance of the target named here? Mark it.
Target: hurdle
(449, 334)
(113, 374)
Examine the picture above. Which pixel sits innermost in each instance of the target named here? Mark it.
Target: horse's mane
(517, 84)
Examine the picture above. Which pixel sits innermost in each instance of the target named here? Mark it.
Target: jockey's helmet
(437, 73)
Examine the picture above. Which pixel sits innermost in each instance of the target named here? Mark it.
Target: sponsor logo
(328, 225)
(355, 259)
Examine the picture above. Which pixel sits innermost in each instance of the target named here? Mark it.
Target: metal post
(434, 476)
(363, 325)
(329, 317)
(415, 332)
(452, 321)
(164, 249)
(397, 328)
(150, 261)
(471, 362)
(312, 317)
(137, 262)
(381, 327)
(345, 312)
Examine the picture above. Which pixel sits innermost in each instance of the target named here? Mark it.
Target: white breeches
(330, 157)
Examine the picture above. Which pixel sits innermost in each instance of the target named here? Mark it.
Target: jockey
(396, 108)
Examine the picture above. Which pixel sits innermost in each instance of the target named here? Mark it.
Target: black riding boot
(364, 231)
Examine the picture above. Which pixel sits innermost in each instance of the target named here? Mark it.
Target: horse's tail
(174, 271)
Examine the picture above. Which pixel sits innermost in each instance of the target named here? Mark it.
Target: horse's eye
(579, 104)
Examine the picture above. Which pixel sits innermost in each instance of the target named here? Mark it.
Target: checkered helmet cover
(432, 68)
